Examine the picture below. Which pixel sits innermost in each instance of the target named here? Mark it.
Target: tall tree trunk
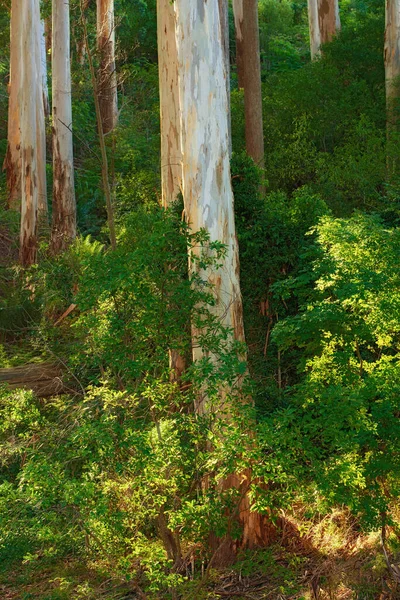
(324, 22)
(80, 44)
(64, 206)
(41, 108)
(107, 78)
(171, 156)
(207, 191)
(43, 58)
(392, 80)
(28, 113)
(248, 51)
(392, 55)
(224, 18)
(103, 149)
(12, 161)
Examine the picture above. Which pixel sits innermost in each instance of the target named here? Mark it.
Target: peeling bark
(42, 108)
(12, 161)
(248, 57)
(28, 113)
(324, 23)
(171, 156)
(207, 191)
(107, 78)
(64, 206)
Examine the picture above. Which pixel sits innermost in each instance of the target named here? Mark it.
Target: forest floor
(329, 560)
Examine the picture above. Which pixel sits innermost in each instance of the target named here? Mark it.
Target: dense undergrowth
(102, 490)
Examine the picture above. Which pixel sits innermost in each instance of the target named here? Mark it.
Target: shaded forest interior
(170, 430)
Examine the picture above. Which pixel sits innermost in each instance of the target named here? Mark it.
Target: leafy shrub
(117, 474)
(340, 429)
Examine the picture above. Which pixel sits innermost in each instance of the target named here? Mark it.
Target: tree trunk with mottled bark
(324, 23)
(171, 156)
(107, 78)
(248, 53)
(42, 105)
(207, 190)
(28, 114)
(12, 162)
(64, 206)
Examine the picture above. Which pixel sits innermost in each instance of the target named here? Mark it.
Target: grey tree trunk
(42, 104)
(64, 205)
(207, 190)
(208, 197)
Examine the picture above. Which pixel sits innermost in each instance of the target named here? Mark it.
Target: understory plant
(115, 472)
(338, 434)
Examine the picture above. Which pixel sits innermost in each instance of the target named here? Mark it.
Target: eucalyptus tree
(249, 74)
(64, 205)
(171, 156)
(392, 55)
(207, 190)
(42, 111)
(324, 23)
(12, 162)
(28, 123)
(107, 78)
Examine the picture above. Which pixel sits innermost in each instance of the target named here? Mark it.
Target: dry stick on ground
(104, 159)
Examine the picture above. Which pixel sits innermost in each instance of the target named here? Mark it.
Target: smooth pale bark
(28, 113)
(324, 23)
(107, 78)
(207, 191)
(41, 113)
(64, 206)
(43, 58)
(171, 156)
(248, 53)
(12, 161)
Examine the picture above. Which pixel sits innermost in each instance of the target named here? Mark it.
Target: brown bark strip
(107, 78)
(12, 161)
(249, 73)
(171, 155)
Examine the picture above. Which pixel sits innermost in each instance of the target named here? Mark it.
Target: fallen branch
(45, 379)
